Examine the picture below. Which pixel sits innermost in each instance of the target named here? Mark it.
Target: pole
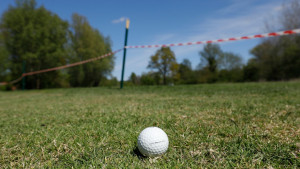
(23, 79)
(124, 54)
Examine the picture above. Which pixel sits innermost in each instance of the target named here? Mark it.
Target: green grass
(251, 125)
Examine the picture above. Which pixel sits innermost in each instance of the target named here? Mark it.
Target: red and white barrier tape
(71, 65)
(60, 67)
(288, 32)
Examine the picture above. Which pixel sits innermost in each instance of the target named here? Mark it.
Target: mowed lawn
(209, 126)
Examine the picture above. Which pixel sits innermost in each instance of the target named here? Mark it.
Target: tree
(186, 73)
(229, 61)
(36, 36)
(289, 18)
(164, 62)
(147, 79)
(232, 75)
(133, 78)
(230, 68)
(213, 58)
(279, 61)
(210, 56)
(251, 70)
(217, 65)
(4, 61)
(89, 43)
(113, 81)
(279, 58)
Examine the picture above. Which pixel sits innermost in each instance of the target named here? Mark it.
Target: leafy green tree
(89, 43)
(251, 70)
(209, 61)
(164, 61)
(134, 78)
(278, 61)
(36, 36)
(210, 57)
(147, 79)
(229, 61)
(217, 65)
(230, 68)
(187, 75)
(232, 75)
(213, 58)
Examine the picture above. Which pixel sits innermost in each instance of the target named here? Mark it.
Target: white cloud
(235, 6)
(122, 19)
(251, 22)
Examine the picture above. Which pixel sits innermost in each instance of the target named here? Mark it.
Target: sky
(169, 21)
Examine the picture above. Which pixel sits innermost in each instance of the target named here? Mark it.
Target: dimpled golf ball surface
(153, 141)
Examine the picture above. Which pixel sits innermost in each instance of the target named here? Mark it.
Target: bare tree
(290, 15)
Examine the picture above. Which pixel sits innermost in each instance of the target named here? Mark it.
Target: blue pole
(124, 54)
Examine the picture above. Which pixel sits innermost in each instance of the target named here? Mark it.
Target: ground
(247, 125)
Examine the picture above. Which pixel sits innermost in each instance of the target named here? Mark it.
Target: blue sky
(169, 21)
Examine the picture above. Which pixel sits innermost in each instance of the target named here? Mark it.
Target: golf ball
(152, 142)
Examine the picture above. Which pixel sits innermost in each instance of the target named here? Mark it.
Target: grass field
(209, 126)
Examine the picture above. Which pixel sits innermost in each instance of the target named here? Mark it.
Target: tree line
(275, 59)
(33, 38)
(272, 61)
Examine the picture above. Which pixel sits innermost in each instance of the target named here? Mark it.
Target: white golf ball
(152, 142)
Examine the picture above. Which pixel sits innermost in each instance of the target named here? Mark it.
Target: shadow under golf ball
(136, 152)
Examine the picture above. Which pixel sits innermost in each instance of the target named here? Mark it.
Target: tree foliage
(279, 58)
(4, 61)
(213, 58)
(278, 61)
(36, 36)
(251, 70)
(133, 79)
(164, 62)
(187, 75)
(217, 65)
(229, 61)
(148, 79)
(210, 56)
(88, 43)
(39, 39)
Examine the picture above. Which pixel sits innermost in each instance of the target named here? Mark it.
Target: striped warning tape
(60, 67)
(71, 65)
(288, 32)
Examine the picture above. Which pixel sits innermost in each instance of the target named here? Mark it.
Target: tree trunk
(164, 79)
(38, 83)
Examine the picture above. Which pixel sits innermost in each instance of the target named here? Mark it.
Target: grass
(250, 125)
